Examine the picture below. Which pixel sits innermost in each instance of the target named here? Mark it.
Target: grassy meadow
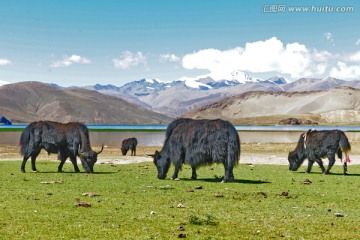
(264, 202)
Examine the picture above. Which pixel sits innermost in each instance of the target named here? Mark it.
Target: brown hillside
(340, 105)
(32, 101)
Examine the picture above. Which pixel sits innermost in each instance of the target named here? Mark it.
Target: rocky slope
(340, 105)
(32, 101)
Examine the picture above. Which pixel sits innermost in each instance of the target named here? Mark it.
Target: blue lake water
(248, 134)
(275, 128)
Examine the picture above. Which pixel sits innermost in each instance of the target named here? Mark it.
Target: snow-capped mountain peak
(3, 83)
(242, 77)
(196, 84)
(278, 80)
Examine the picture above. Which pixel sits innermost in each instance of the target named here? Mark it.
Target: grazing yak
(129, 144)
(315, 145)
(197, 143)
(67, 140)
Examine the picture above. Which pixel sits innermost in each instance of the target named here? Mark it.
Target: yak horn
(147, 154)
(102, 148)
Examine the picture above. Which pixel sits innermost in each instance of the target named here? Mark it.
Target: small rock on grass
(307, 181)
(339, 215)
(82, 204)
(180, 205)
(90, 194)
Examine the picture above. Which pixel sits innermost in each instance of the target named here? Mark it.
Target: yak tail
(345, 146)
(24, 140)
(344, 143)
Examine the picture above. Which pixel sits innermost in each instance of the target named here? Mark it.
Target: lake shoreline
(251, 154)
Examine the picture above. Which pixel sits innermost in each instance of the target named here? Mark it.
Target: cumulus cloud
(67, 61)
(329, 38)
(354, 57)
(270, 55)
(4, 62)
(344, 71)
(129, 59)
(169, 58)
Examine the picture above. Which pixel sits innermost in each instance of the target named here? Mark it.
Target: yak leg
(73, 160)
(193, 174)
(339, 154)
(33, 159)
(229, 175)
(62, 158)
(62, 161)
(319, 161)
(24, 163)
(310, 164)
(33, 156)
(345, 167)
(176, 171)
(331, 163)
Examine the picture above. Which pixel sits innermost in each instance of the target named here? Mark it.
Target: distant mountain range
(181, 96)
(151, 101)
(33, 101)
(338, 105)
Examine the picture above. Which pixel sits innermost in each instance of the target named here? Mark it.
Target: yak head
(162, 163)
(124, 150)
(295, 160)
(89, 158)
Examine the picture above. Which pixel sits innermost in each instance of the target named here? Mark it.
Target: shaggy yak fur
(67, 140)
(197, 143)
(315, 145)
(129, 144)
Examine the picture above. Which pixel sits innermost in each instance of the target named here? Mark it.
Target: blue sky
(83, 42)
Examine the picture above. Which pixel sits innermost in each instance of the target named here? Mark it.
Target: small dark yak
(129, 144)
(315, 145)
(67, 140)
(197, 143)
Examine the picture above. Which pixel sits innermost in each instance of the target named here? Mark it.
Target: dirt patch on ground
(251, 153)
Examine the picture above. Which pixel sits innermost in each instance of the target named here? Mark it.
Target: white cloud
(357, 43)
(129, 59)
(67, 61)
(354, 57)
(4, 62)
(329, 38)
(344, 71)
(270, 55)
(169, 58)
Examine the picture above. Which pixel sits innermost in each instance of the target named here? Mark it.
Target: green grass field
(264, 202)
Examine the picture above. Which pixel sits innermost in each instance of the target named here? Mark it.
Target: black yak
(67, 140)
(197, 143)
(129, 144)
(315, 145)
